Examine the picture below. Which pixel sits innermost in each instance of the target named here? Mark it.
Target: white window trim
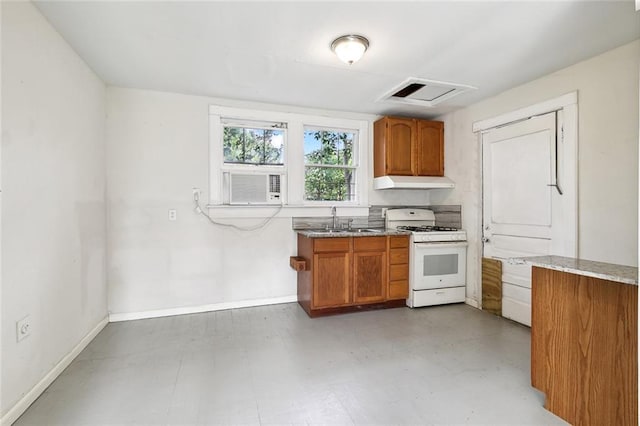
(294, 204)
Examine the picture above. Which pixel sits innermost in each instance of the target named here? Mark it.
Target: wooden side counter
(584, 346)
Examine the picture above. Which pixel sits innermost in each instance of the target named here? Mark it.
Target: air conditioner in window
(254, 188)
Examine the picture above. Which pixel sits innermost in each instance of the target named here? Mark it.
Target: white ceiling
(278, 52)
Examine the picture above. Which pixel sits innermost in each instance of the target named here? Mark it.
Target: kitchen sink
(346, 231)
(328, 231)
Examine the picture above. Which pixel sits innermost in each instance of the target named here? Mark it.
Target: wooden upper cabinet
(429, 148)
(408, 147)
(400, 143)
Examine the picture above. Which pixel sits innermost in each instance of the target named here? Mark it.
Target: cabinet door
(369, 276)
(429, 148)
(400, 135)
(331, 272)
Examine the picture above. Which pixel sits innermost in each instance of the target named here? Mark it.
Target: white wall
(607, 88)
(157, 151)
(53, 211)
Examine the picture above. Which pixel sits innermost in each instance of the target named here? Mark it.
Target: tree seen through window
(243, 145)
(329, 165)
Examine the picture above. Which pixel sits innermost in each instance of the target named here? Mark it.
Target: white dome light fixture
(350, 48)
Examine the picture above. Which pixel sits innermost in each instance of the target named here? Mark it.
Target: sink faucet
(335, 219)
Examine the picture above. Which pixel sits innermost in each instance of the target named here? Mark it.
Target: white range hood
(412, 182)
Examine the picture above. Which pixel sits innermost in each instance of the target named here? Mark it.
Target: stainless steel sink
(346, 231)
(329, 231)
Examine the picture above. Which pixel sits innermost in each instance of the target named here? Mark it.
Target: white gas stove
(437, 257)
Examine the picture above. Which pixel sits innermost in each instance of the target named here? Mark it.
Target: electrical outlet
(173, 214)
(384, 211)
(23, 328)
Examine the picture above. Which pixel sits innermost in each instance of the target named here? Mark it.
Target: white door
(522, 202)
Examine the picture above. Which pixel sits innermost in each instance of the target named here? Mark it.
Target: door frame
(568, 105)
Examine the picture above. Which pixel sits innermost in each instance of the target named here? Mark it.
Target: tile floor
(274, 365)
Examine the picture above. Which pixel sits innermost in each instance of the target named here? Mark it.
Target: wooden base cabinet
(369, 269)
(345, 274)
(333, 270)
(398, 267)
(584, 347)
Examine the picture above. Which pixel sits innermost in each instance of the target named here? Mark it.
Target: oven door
(438, 265)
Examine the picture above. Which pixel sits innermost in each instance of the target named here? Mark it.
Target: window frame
(354, 158)
(294, 166)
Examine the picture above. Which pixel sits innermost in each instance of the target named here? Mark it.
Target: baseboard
(21, 406)
(472, 302)
(129, 316)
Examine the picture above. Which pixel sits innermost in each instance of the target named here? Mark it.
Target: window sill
(236, 212)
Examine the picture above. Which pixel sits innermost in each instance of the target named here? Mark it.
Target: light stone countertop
(315, 233)
(606, 271)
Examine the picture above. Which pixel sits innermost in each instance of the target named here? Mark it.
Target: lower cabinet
(369, 269)
(347, 273)
(398, 267)
(332, 270)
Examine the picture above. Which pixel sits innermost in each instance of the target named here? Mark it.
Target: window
(254, 145)
(330, 169)
(320, 161)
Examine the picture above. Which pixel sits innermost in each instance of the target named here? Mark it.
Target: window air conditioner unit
(254, 188)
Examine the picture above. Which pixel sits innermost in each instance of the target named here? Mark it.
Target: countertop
(606, 271)
(315, 233)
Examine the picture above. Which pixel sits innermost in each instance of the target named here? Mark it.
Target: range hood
(412, 182)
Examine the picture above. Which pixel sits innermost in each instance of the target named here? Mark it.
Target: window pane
(243, 145)
(330, 147)
(329, 184)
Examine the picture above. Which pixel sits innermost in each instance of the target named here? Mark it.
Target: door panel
(370, 276)
(331, 277)
(430, 149)
(518, 166)
(399, 151)
(517, 172)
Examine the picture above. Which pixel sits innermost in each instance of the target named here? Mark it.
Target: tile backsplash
(450, 215)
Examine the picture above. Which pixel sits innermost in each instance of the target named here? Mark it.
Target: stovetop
(421, 224)
(427, 228)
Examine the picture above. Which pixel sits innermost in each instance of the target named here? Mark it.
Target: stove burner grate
(427, 228)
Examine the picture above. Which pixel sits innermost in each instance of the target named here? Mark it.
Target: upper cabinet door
(400, 141)
(429, 148)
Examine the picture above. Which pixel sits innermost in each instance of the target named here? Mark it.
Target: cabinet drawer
(398, 290)
(330, 244)
(398, 272)
(397, 256)
(370, 244)
(399, 241)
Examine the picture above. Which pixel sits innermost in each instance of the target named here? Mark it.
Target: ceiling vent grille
(419, 91)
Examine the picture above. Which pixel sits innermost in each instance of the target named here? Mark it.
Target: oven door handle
(441, 244)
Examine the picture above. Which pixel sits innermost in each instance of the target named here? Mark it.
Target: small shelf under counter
(584, 339)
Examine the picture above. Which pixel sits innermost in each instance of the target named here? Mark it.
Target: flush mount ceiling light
(350, 48)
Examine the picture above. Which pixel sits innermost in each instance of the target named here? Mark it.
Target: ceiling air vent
(419, 91)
